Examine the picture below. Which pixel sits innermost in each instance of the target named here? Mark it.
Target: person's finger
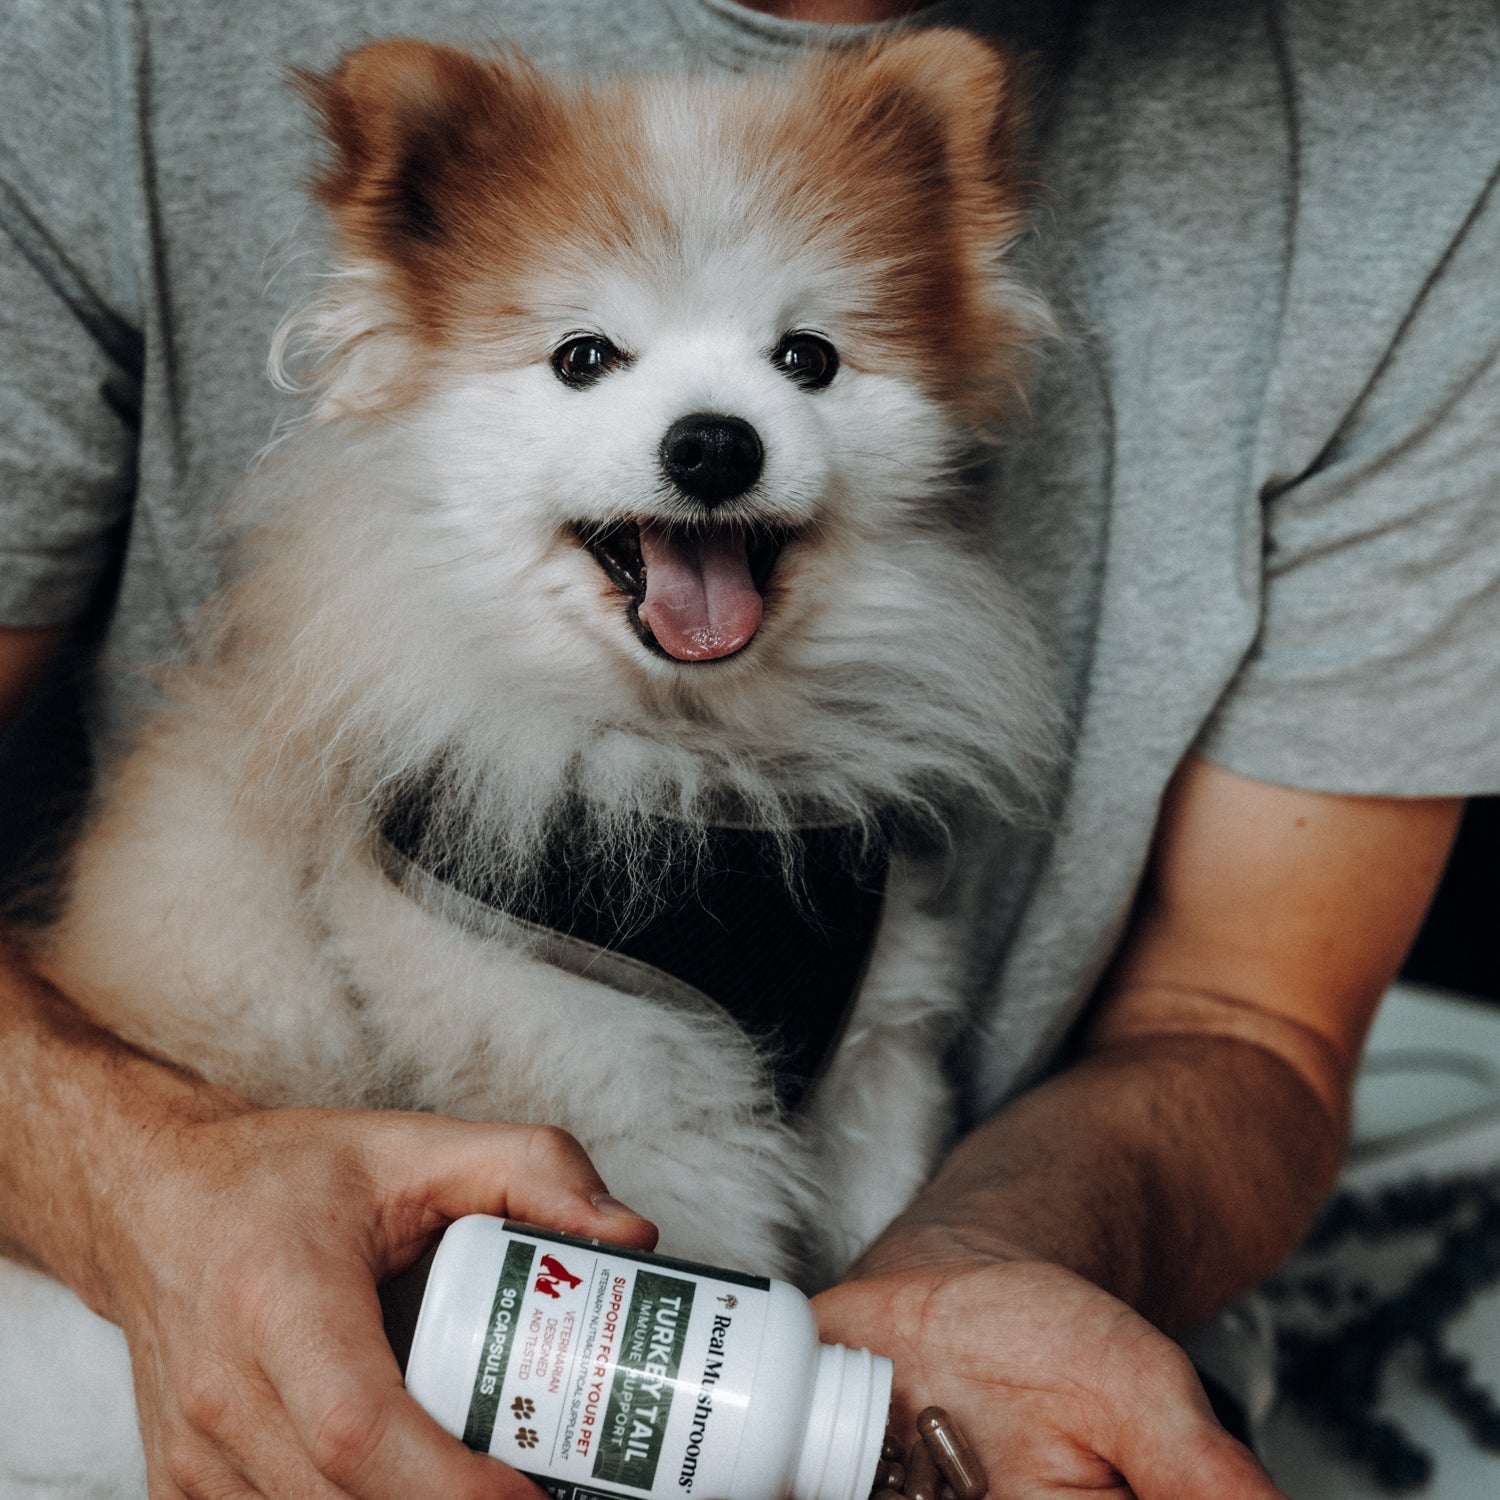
(183, 1466)
(159, 1482)
(165, 1457)
(195, 1471)
(338, 1381)
(444, 1169)
(243, 1443)
(1170, 1446)
(1205, 1464)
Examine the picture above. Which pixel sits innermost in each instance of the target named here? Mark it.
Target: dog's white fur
(408, 594)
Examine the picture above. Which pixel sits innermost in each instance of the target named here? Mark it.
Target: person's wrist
(927, 1240)
(80, 1108)
(131, 1179)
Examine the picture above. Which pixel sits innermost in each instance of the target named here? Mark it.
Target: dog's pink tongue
(700, 601)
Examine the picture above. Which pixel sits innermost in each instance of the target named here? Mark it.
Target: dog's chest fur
(234, 945)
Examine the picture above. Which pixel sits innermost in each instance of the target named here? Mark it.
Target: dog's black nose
(711, 458)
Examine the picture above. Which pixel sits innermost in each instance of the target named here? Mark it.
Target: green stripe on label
(635, 1419)
(498, 1339)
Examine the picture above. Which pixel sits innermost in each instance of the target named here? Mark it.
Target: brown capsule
(921, 1473)
(957, 1460)
(887, 1495)
(890, 1475)
(892, 1449)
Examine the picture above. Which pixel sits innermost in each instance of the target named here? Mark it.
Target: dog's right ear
(415, 128)
(965, 89)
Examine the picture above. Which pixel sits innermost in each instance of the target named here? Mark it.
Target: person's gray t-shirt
(1256, 501)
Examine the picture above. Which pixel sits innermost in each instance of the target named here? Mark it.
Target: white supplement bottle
(610, 1374)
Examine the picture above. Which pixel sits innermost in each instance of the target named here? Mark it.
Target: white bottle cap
(851, 1398)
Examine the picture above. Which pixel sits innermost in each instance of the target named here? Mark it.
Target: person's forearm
(76, 1107)
(1174, 1172)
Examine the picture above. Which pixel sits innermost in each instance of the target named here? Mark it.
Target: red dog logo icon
(554, 1271)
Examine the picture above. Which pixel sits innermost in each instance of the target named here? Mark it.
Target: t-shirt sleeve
(1376, 669)
(68, 346)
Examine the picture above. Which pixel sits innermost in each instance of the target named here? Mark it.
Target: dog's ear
(414, 128)
(927, 126)
(963, 90)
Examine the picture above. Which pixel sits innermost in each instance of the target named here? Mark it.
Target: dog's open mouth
(696, 593)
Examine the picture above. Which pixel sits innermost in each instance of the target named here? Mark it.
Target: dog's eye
(582, 361)
(804, 357)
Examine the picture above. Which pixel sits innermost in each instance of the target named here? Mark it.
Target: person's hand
(244, 1269)
(1062, 1389)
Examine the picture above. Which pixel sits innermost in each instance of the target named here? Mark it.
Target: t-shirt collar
(738, 37)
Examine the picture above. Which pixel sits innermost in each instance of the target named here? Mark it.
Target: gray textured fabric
(1256, 503)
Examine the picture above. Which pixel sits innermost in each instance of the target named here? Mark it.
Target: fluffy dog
(624, 556)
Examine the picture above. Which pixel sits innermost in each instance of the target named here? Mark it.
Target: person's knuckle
(347, 1435)
(551, 1145)
(206, 1399)
(1173, 1365)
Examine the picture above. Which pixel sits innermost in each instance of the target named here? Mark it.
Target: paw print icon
(523, 1407)
(526, 1437)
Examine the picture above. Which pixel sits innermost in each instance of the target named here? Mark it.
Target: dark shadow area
(1459, 945)
(44, 774)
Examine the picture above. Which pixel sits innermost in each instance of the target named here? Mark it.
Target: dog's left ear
(415, 130)
(971, 91)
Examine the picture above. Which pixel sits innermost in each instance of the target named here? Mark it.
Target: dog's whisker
(484, 554)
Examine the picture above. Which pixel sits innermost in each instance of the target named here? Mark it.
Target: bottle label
(606, 1374)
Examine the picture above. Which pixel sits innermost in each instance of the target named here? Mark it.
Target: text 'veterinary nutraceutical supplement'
(611, 1373)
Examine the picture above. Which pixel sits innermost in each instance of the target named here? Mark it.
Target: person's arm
(1176, 1161)
(239, 1249)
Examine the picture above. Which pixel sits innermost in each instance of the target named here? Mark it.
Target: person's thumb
(436, 1170)
(1170, 1447)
